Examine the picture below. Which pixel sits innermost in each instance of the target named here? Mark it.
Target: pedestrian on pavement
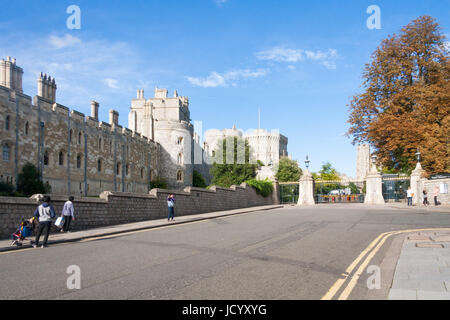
(435, 194)
(409, 196)
(45, 214)
(425, 197)
(171, 205)
(68, 214)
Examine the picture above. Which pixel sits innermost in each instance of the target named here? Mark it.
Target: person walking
(409, 196)
(425, 197)
(45, 214)
(435, 194)
(67, 214)
(171, 205)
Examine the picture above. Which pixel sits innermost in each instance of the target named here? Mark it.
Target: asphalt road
(290, 253)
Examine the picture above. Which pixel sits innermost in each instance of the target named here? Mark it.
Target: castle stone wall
(115, 208)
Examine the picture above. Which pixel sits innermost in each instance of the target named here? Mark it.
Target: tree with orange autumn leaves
(406, 102)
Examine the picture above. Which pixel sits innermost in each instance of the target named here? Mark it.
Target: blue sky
(300, 62)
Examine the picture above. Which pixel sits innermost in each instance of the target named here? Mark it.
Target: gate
(289, 192)
(395, 187)
(336, 192)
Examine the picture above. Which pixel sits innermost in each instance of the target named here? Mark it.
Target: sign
(443, 188)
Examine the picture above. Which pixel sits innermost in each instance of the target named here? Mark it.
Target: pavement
(423, 268)
(5, 245)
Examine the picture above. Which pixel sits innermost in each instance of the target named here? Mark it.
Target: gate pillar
(306, 189)
(276, 191)
(374, 187)
(416, 185)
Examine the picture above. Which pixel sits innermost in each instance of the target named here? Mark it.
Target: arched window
(100, 144)
(79, 137)
(118, 166)
(78, 161)
(61, 158)
(6, 152)
(99, 165)
(180, 176)
(180, 141)
(46, 159)
(27, 128)
(180, 159)
(70, 135)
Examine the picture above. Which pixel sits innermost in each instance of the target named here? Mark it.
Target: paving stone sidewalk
(5, 245)
(423, 268)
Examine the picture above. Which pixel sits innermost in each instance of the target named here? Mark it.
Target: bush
(158, 183)
(6, 189)
(262, 187)
(198, 181)
(30, 182)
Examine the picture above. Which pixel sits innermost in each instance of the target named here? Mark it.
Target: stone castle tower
(362, 162)
(166, 120)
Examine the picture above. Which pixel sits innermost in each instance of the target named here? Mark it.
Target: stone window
(127, 169)
(70, 135)
(180, 159)
(79, 137)
(118, 166)
(78, 161)
(110, 147)
(99, 165)
(7, 123)
(142, 173)
(180, 141)
(27, 128)
(6, 152)
(180, 176)
(46, 159)
(61, 158)
(100, 144)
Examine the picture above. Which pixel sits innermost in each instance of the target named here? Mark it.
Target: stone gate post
(374, 189)
(306, 189)
(417, 184)
(276, 191)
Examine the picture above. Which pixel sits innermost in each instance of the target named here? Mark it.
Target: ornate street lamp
(418, 154)
(307, 162)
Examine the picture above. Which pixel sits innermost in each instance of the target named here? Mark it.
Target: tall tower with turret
(166, 120)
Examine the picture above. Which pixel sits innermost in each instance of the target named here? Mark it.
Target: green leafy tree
(231, 167)
(198, 181)
(327, 173)
(29, 181)
(288, 170)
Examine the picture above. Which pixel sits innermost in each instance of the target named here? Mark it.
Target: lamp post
(418, 154)
(307, 162)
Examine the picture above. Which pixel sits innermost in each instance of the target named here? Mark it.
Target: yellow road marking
(381, 239)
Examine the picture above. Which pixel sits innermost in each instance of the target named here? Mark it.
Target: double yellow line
(369, 253)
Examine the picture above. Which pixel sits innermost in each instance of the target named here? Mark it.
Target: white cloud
(112, 83)
(63, 42)
(229, 78)
(282, 54)
(220, 3)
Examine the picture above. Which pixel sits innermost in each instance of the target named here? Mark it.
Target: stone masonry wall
(430, 185)
(113, 208)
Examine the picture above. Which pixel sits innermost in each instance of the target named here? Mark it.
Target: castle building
(166, 120)
(81, 155)
(76, 154)
(268, 147)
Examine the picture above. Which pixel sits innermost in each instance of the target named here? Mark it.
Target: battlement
(11, 74)
(47, 87)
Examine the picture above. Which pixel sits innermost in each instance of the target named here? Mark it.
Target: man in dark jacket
(45, 214)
